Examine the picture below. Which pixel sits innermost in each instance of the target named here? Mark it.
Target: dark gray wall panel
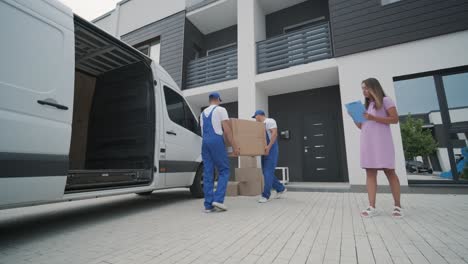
(171, 33)
(277, 21)
(361, 25)
(221, 38)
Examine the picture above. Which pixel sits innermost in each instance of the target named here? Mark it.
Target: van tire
(197, 188)
(145, 193)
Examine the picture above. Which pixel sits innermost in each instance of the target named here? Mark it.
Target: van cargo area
(113, 130)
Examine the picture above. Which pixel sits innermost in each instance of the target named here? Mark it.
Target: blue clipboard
(356, 110)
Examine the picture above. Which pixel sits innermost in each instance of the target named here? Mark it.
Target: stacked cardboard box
(248, 162)
(232, 188)
(250, 136)
(250, 181)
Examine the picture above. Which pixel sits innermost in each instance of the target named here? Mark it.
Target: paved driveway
(169, 227)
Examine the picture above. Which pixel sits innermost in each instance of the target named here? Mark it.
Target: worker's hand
(236, 150)
(267, 150)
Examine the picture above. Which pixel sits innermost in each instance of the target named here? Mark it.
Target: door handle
(171, 132)
(52, 102)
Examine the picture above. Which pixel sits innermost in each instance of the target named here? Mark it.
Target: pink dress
(377, 150)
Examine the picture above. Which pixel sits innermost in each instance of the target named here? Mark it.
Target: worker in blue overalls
(213, 121)
(270, 159)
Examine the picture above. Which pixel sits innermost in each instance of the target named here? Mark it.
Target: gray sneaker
(282, 194)
(212, 210)
(263, 200)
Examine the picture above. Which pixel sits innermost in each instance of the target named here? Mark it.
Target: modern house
(302, 61)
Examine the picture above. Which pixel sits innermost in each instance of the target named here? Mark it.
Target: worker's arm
(359, 125)
(274, 137)
(228, 131)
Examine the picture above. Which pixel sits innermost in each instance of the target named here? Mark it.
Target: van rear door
(36, 99)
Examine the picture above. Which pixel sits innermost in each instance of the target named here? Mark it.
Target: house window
(387, 2)
(433, 109)
(152, 50)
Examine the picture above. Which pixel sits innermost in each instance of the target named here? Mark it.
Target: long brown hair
(376, 91)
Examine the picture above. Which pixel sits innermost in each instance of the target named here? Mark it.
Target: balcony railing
(294, 48)
(212, 69)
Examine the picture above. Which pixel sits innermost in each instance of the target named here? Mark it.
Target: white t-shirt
(270, 123)
(219, 114)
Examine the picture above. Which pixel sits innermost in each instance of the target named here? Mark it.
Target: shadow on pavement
(31, 226)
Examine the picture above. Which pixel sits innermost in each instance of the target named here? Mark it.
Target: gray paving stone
(170, 227)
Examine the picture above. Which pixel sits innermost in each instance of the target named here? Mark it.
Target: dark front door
(320, 148)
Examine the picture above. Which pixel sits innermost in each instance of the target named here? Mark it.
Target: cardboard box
(250, 181)
(250, 136)
(232, 189)
(248, 162)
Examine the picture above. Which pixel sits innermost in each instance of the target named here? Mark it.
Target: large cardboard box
(83, 99)
(248, 162)
(250, 181)
(232, 189)
(250, 136)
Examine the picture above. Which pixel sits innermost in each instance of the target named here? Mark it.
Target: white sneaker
(369, 212)
(282, 194)
(220, 206)
(263, 200)
(212, 210)
(397, 212)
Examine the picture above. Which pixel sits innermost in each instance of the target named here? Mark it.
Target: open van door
(36, 99)
(182, 138)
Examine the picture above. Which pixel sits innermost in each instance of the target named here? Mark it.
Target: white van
(84, 115)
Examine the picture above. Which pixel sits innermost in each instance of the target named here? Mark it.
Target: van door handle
(171, 132)
(53, 103)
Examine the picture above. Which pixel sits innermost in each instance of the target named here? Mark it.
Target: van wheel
(197, 186)
(145, 193)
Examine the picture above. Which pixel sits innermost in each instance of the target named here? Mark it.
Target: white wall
(131, 15)
(135, 14)
(384, 64)
(250, 29)
(246, 57)
(108, 23)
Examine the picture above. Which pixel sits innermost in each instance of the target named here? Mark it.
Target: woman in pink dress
(377, 151)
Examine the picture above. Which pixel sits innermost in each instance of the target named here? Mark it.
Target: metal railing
(294, 48)
(212, 69)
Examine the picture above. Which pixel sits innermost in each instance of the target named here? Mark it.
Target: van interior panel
(113, 127)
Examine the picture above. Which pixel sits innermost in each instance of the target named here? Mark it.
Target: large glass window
(433, 113)
(420, 123)
(456, 90)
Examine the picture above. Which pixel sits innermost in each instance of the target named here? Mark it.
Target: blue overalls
(213, 154)
(268, 166)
